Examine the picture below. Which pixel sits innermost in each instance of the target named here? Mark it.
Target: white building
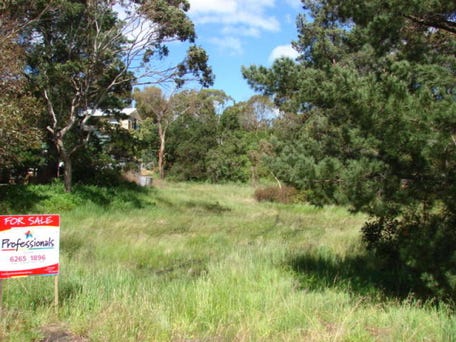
(128, 119)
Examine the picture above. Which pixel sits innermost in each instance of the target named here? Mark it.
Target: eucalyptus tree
(179, 110)
(374, 93)
(194, 132)
(152, 104)
(86, 55)
(241, 129)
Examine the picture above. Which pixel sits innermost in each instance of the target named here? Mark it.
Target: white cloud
(234, 12)
(212, 6)
(283, 51)
(242, 18)
(136, 28)
(230, 44)
(236, 19)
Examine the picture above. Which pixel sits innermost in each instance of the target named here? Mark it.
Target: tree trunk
(161, 152)
(67, 174)
(58, 135)
(65, 157)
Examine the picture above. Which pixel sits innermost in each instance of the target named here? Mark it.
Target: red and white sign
(29, 245)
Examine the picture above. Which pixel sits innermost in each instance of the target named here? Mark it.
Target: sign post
(29, 245)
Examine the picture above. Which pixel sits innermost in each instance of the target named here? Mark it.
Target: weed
(209, 263)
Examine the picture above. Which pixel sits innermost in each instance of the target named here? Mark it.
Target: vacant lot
(192, 262)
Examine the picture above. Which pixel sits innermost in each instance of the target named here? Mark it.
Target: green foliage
(110, 192)
(75, 64)
(190, 139)
(188, 116)
(148, 142)
(194, 132)
(219, 147)
(229, 162)
(425, 244)
(372, 102)
(103, 160)
(242, 128)
(20, 134)
(208, 262)
(196, 63)
(77, 58)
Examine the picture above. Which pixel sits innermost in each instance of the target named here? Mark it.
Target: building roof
(130, 112)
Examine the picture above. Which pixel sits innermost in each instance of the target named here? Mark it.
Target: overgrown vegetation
(76, 58)
(371, 124)
(364, 118)
(52, 198)
(282, 194)
(209, 262)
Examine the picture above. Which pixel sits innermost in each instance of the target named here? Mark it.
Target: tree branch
(435, 21)
(52, 113)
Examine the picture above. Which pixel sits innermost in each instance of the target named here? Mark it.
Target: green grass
(198, 262)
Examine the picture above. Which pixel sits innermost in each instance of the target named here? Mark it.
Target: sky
(239, 33)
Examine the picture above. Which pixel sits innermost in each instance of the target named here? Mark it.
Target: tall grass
(198, 262)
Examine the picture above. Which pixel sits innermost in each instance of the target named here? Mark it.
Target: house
(131, 120)
(127, 118)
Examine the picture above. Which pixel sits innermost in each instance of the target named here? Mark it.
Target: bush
(284, 194)
(421, 247)
(52, 198)
(37, 198)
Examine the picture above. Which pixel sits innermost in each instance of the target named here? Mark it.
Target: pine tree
(375, 90)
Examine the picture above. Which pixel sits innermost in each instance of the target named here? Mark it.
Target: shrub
(284, 194)
(423, 247)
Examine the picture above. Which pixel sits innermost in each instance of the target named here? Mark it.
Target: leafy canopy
(373, 93)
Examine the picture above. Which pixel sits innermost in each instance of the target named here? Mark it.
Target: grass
(198, 262)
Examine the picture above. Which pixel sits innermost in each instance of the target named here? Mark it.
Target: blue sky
(243, 32)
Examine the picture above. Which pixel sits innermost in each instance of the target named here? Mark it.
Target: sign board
(29, 245)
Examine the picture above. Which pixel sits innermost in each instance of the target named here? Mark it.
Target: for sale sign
(29, 245)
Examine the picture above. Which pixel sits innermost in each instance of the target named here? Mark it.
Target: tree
(152, 104)
(184, 106)
(227, 159)
(374, 89)
(194, 132)
(242, 127)
(84, 56)
(256, 113)
(19, 110)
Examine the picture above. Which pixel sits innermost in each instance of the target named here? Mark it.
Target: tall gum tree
(152, 103)
(87, 55)
(194, 132)
(164, 110)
